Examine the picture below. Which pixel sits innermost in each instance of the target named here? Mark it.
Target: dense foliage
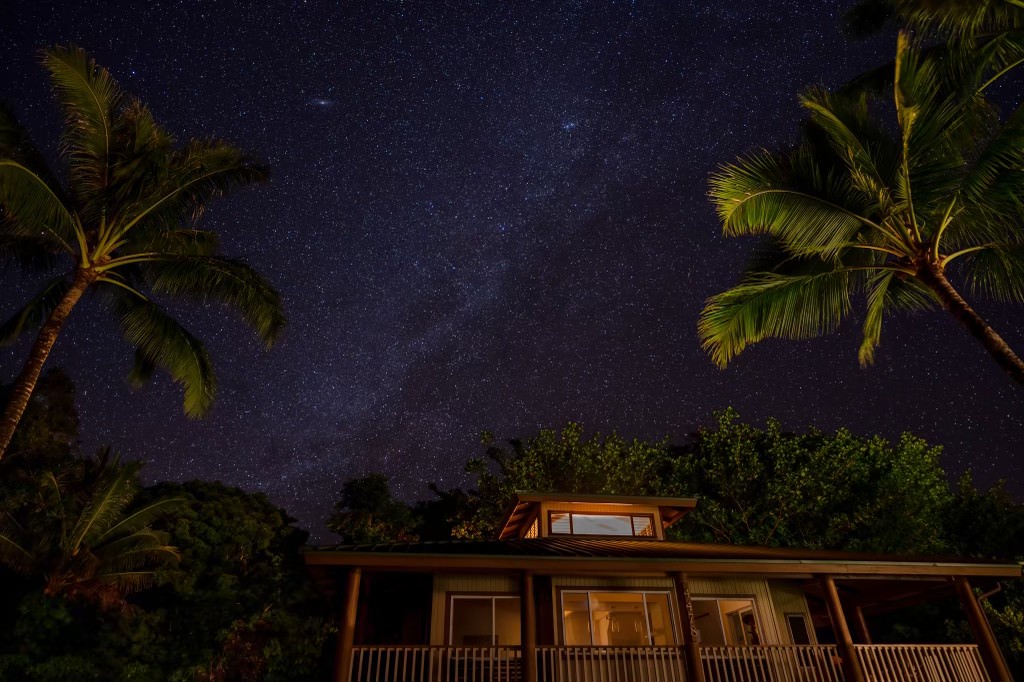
(236, 606)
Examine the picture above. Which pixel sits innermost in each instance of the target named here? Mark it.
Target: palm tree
(80, 536)
(123, 225)
(894, 212)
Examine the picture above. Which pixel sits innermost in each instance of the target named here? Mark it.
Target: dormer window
(591, 523)
(547, 515)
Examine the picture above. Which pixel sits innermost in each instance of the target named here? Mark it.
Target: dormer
(554, 515)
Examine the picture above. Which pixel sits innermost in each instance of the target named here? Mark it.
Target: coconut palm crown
(121, 220)
(895, 212)
(83, 537)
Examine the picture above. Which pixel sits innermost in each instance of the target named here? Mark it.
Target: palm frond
(847, 124)
(225, 281)
(34, 209)
(160, 341)
(757, 196)
(35, 312)
(959, 20)
(105, 506)
(997, 272)
(181, 242)
(993, 179)
(888, 291)
(90, 99)
(140, 518)
(774, 305)
(201, 172)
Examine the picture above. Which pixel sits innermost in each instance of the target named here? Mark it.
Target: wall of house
(773, 600)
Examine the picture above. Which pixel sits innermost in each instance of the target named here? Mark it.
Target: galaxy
(484, 216)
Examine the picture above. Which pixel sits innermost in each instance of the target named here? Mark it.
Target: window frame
(492, 597)
(672, 615)
(754, 610)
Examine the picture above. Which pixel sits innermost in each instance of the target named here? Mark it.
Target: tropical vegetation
(123, 224)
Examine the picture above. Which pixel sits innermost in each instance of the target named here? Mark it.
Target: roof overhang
(561, 565)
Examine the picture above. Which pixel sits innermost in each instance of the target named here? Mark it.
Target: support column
(851, 665)
(347, 626)
(691, 649)
(862, 626)
(991, 656)
(528, 612)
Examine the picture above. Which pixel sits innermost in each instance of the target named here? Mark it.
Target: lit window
(577, 523)
(617, 618)
(725, 622)
(533, 531)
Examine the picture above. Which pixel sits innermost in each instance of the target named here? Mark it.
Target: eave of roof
(561, 555)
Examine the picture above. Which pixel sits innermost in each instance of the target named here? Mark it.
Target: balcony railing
(766, 663)
(771, 663)
(921, 662)
(436, 664)
(610, 664)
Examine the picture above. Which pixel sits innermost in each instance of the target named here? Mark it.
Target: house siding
(444, 585)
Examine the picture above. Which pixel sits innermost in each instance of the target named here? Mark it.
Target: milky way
(484, 215)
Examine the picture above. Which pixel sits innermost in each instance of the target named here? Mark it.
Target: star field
(484, 215)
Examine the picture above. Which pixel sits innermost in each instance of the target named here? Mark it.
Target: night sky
(483, 216)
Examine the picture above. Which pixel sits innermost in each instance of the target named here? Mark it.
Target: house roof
(527, 505)
(600, 555)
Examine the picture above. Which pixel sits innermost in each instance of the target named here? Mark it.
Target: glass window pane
(708, 620)
(575, 618)
(617, 619)
(660, 620)
(471, 621)
(507, 628)
(798, 628)
(738, 620)
(601, 524)
(560, 523)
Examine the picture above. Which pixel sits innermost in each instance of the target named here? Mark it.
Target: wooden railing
(766, 663)
(771, 663)
(610, 664)
(436, 664)
(921, 662)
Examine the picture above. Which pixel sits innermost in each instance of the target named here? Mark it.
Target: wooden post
(851, 665)
(528, 614)
(862, 626)
(691, 649)
(347, 626)
(991, 656)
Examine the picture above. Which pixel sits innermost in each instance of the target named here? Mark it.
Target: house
(587, 588)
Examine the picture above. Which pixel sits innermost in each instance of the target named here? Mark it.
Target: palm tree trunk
(935, 279)
(26, 381)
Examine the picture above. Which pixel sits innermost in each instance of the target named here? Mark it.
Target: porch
(761, 663)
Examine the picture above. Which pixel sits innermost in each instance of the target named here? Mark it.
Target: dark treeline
(107, 579)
